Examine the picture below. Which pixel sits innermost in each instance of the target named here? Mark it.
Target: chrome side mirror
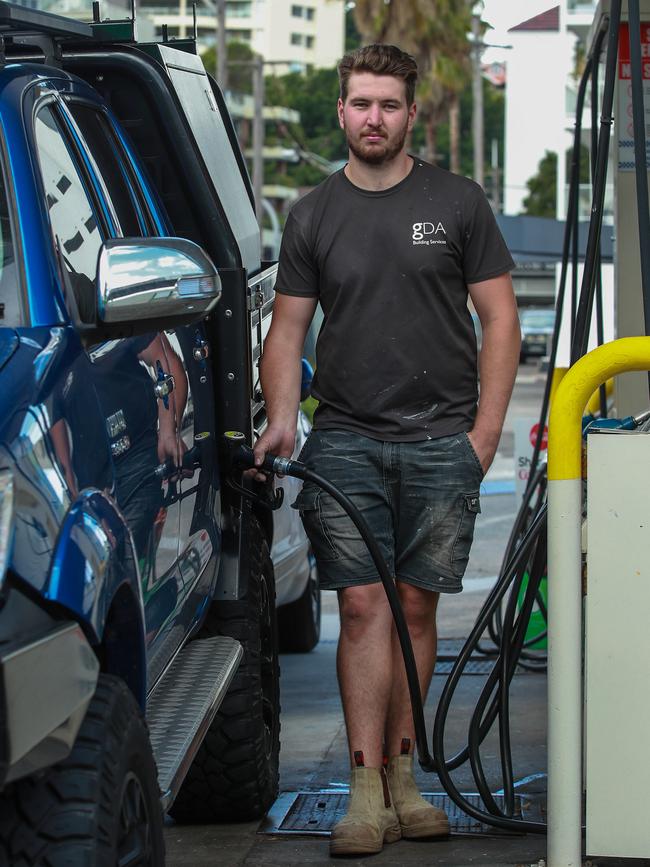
(154, 278)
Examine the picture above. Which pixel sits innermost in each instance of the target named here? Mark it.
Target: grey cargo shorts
(420, 500)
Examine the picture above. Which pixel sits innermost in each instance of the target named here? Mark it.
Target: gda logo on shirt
(435, 230)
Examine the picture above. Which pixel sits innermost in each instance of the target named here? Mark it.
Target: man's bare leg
(420, 608)
(364, 666)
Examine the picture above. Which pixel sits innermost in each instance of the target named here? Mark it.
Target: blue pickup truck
(138, 569)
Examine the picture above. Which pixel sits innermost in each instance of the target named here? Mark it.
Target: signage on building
(525, 431)
(624, 119)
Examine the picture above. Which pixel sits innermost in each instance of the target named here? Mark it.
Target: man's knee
(419, 606)
(363, 607)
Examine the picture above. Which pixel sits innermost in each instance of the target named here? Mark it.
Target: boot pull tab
(384, 783)
(358, 759)
(406, 746)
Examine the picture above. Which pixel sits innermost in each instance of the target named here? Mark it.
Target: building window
(309, 41)
(306, 12)
(296, 38)
(239, 9)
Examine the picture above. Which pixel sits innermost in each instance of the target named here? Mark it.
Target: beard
(377, 154)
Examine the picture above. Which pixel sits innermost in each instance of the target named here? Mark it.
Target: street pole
(496, 204)
(182, 12)
(258, 135)
(477, 95)
(222, 59)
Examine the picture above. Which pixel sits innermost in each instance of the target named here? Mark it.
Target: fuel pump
(604, 572)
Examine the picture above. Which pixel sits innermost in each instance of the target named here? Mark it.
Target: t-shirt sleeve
(485, 254)
(297, 271)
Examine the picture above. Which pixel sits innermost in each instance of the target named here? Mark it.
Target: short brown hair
(379, 59)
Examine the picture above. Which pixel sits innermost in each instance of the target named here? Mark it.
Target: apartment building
(292, 35)
(541, 96)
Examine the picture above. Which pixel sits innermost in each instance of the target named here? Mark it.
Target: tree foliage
(240, 77)
(313, 94)
(542, 187)
(493, 127)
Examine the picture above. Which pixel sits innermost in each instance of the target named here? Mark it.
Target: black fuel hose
(243, 457)
(535, 488)
(600, 329)
(570, 242)
(585, 305)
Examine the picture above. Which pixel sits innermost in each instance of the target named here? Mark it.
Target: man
(390, 246)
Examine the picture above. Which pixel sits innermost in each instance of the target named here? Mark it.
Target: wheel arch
(94, 576)
(122, 650)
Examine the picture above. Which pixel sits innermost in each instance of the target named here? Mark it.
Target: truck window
(72, 215)
(107, 152)
(11, 308)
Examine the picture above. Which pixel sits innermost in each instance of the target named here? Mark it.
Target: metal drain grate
(317, 812)
(476, 665)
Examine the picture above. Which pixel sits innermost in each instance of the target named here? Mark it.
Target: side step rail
(183, 706)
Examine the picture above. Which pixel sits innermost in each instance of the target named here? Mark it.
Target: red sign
(533, 436)
(624, 65)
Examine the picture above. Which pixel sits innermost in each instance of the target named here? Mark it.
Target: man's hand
(485, 447)
(277, 440)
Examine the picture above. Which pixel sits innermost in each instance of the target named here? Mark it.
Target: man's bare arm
(281, 373)
(496, 306)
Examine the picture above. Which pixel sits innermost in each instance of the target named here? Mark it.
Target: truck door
(140, 381)
(178, 362)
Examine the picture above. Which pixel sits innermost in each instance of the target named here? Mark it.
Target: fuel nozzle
(630, 422)
(243, 457)
(195, 457)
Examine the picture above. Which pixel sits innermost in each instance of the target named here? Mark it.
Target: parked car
(536, 331)
(138, 634)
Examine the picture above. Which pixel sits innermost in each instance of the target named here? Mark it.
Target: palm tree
(435, 33)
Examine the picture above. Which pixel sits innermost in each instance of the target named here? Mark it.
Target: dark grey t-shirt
(396, 354)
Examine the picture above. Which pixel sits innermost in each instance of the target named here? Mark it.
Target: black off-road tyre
(235, 775)
(299, 621)
(98, 808)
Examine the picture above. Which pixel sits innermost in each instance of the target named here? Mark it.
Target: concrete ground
(314, 754)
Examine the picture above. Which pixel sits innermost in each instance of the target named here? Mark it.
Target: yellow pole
(593, 405)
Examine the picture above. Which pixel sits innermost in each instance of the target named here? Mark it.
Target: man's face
(375, 117)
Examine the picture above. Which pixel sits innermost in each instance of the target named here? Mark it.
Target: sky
(502, 14)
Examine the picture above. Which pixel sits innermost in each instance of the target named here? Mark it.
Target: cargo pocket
(470, 505)
(309, 503)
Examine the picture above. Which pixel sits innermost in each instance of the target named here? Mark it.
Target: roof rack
(21, 27)
(20, 22)
(29, 34)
